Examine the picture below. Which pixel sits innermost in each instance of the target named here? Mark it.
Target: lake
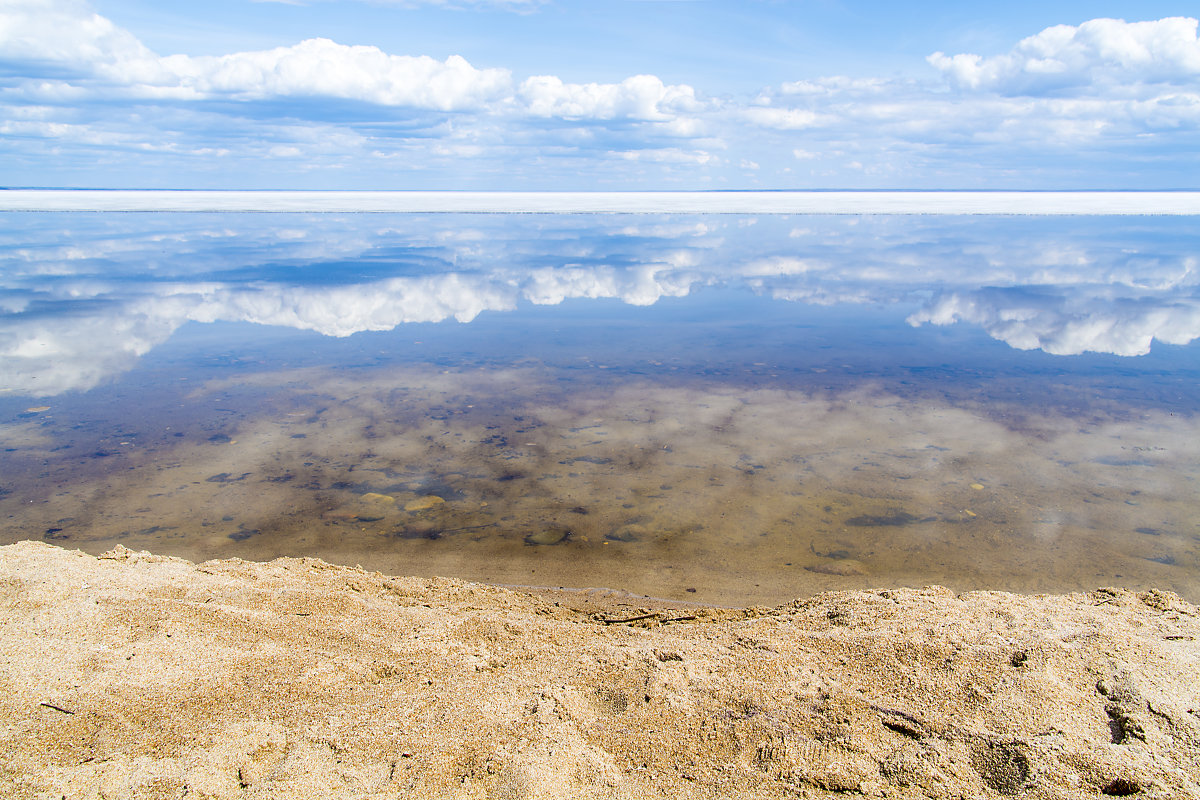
(727, 408)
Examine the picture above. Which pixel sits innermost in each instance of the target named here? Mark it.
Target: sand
(133, 675)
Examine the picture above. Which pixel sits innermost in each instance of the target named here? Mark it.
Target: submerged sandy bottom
(138, 676)
(707, 492)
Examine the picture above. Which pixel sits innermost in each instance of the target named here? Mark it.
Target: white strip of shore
(1070, 203)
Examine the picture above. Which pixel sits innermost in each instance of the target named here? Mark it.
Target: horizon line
(1174, 202)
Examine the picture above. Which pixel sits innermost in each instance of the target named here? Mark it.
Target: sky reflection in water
(751, 408)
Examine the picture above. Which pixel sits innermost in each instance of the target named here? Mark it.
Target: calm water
(730, 409)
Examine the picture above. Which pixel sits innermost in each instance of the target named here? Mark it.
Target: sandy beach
(134, 675)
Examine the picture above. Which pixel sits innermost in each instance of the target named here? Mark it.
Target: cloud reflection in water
(82, 297)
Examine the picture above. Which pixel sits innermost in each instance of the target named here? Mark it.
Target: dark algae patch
(893, 519)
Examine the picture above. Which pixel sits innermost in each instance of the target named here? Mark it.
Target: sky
(620, 94)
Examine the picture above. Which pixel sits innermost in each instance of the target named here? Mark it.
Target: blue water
(821, 395)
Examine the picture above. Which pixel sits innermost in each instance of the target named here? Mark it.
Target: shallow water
(726, 409)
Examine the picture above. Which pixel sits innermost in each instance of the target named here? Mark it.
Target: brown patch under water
(744, 495)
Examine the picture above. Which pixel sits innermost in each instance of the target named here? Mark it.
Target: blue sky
(633, 94)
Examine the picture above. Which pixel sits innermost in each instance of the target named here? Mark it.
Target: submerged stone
(836, 555)
(423, 503)
(627, 533)
(551, 534)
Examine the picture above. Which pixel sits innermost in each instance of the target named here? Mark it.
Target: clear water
(726, 409)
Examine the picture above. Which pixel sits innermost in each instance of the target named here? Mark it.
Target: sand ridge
(134, 675)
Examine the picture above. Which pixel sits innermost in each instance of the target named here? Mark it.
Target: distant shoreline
(1056, 203)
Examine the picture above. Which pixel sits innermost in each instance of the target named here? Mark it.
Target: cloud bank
(1106, 103)
(106, 61)
(1100, 54)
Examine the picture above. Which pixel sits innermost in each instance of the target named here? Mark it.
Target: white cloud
(668, 155)
(641, 97)
(342, 311)
(457, 150)
(1069, 324)
(325, 68)
(1100, 52)
(67, 33)
(84, 102)
(682, 127)
(1123, 98)
(640, 286)
(835, 84)
(785, 119)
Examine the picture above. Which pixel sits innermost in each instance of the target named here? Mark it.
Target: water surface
(731, 409)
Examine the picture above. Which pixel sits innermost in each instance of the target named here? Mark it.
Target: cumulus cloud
(67, 35)
(1069, 323)
(86, 103)
(1100, 52)
(784, 119)
(326, 68)
(640, 286)
(641, 97)
(1105, 103)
